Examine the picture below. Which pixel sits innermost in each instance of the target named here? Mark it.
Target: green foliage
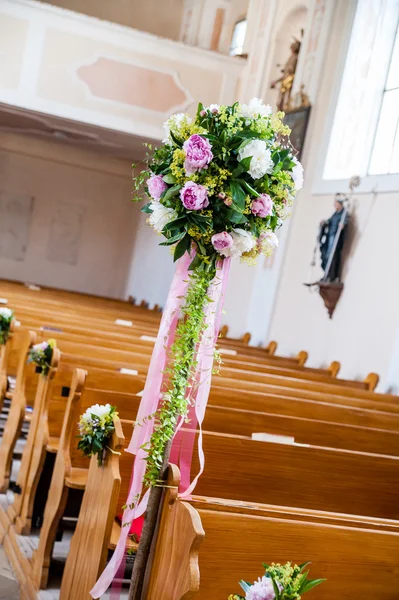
(95, 432)
(230, 186)
(6, 317)
(289, 581)
(41, 355)
(180, 371)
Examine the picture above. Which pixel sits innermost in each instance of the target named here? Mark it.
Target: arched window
(238, 39)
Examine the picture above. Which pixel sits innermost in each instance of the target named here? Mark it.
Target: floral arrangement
(219, 186)
(41, 355)
(6, 316)
(96, 426)
(222, 183)
(280, 582)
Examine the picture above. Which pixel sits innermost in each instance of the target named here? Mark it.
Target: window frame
(324, 183)
(237, 23)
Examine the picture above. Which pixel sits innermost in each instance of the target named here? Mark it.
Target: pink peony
(261, 590)
(222, 240)
(41, 346)
(198, 154)
(156, 186)
(194, 196)
(262, 206)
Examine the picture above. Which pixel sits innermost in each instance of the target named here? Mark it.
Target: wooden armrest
(77, 479)
(115, 534)
(53, 444)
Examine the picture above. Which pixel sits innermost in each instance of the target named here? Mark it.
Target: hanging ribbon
(152, 396)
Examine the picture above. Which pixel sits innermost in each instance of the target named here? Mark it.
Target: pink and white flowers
(261, 590)
(161, 216)
(222, 241)
(221, 182)
(297, 174)
(194, 196)
(198, 154)
(41, 355)
(262, 162)
(262, 206)
(156, 186)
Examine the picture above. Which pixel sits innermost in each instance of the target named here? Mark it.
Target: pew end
(302, 357)
(271, 348)
(334, 368)
(96, 527)
(246, 338)
(224, 331)
(174, 571)
(371, 381)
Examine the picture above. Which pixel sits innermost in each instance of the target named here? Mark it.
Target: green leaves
(182, 247)
(171, 193)
(243, 166)
(147, 208)
(289, 581)
(172, 240)
(250, 189)
(236, 217)
(169, 178)
(238, 195)
(245, 586)
(176, 140)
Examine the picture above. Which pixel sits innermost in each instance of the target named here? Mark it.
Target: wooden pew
(234, 539)
(22, 395)
(71, 467)
(181, 534)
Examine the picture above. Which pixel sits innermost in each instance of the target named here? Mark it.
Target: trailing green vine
(180, 371)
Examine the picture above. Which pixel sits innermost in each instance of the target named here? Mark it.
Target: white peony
(214, 108)
(175, 123)
(243, 241)
(255, 109)
(268, 242)
(161, 216)
(6, 313)
(297, 174)
(97, 409)
(261, 162)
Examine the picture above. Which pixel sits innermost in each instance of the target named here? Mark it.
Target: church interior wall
(81, 225)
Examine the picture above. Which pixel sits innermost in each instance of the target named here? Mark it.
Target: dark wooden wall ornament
(331, 293)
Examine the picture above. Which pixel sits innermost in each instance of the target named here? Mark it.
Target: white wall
(152, 268)
(363, 331)
(57, 175)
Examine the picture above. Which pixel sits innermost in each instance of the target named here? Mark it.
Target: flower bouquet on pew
(41, 355)
(219, 187)
(6, 316)
(96, 427)
(280, 582)
(222, 183)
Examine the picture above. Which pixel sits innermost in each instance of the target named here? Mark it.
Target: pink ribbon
(152, 395)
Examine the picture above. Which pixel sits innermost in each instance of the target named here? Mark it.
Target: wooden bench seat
(238, 539)
(239, 536)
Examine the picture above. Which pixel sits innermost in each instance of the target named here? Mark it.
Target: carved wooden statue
(286, 80)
